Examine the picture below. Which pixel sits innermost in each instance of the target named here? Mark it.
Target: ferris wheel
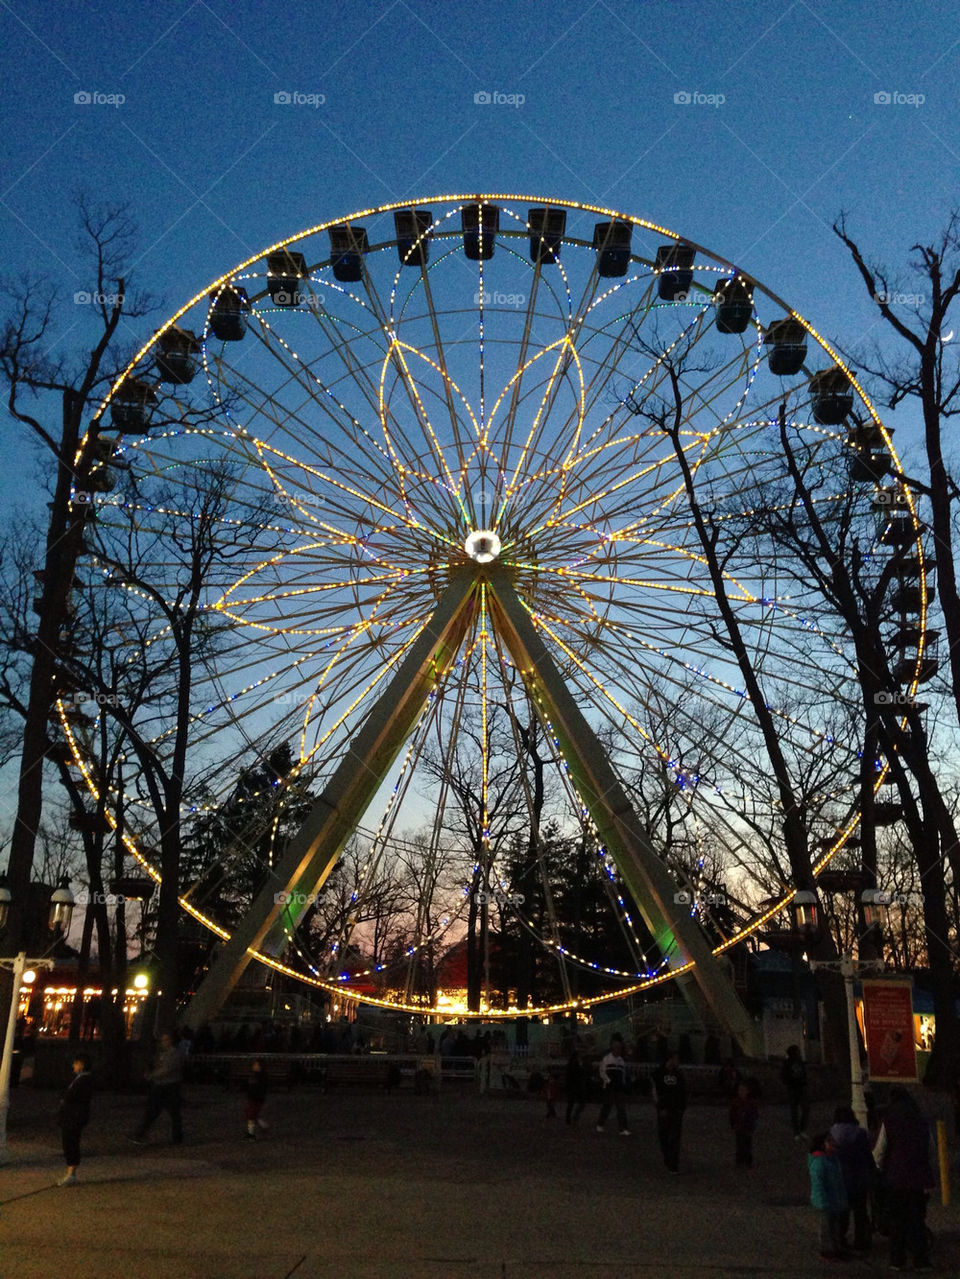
(492, 471)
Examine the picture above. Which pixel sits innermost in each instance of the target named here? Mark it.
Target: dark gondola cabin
(787, 342)
(176, 356)
(286, 269)
(413, 235)
(547, 226)
(480, 223)
(348, 244)
(132, 405)
(228, 314)
(733, 304)
(674, 264)
(612, 243)
(831, 397)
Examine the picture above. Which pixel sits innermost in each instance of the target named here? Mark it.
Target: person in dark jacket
(854, 1150)
(576, 1085)
(74, 1115)
(256, 1096)
(671, 1100)
(793, 1074)
(164, 1091)
(902, 1154)
(829, 1196)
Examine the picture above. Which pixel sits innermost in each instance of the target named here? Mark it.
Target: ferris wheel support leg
(617, 823)
(314, 850)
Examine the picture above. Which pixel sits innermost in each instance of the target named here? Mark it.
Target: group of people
(854, 1176)
(885, 1180)
(164, 1079)
(670, 1097)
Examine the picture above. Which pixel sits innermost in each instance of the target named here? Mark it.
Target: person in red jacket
(744, 1113)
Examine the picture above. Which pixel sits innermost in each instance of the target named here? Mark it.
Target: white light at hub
(482, 546)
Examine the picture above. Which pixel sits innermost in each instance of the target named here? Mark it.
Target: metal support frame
(314, 851)
(616, 821)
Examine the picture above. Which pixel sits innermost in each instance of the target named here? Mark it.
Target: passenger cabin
(869, 466)
(176, 352)
(612, 243)
(787, 340)
(547, 227)
(132, 404)
(900, 530)
(674, 266)
(480, 223)
(413, 235)
(733, 304)
(228, 314)
(907, 598)
(831, 397)
(348, 244)
(886, 812)
(285, 270)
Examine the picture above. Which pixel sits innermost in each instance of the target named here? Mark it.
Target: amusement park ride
(489, 432)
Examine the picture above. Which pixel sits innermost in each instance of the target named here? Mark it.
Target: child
(828, 1195)
(74, 1115)
(551, 1091)
(256, 1096)
(743, 1120)
(855, 1156)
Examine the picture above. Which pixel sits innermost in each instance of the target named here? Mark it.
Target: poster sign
(888, 1025)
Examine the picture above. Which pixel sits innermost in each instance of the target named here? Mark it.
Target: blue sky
(215, 169)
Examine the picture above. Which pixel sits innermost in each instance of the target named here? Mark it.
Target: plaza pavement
(359, 1185)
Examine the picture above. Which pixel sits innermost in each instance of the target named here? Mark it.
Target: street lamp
(873, 903)
(58, 921)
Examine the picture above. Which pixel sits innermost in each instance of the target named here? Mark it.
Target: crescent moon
(948, 337)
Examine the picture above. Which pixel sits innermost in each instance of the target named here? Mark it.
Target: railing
(388, 1070)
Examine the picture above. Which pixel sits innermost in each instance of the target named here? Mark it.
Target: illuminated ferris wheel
(494, 464)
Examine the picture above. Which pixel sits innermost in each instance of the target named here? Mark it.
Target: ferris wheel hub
(482, 546)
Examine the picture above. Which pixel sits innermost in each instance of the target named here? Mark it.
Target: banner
(888, 1027)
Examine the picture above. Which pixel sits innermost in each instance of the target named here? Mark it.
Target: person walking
(902, 1153)
(671, 1101)
(164, 1091)
(613, 1076)
(743, 1115)
(74, 1115)
(793, 1073)
(855, 1153)
(576, 1085)
(256, 1096)
(829, 1196)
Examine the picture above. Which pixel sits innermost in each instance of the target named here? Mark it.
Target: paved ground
(364, 1186)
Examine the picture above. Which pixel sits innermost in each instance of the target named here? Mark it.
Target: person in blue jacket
(828, 1195)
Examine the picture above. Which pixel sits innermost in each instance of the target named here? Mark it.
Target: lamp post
(58, 921)
(807, 912)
